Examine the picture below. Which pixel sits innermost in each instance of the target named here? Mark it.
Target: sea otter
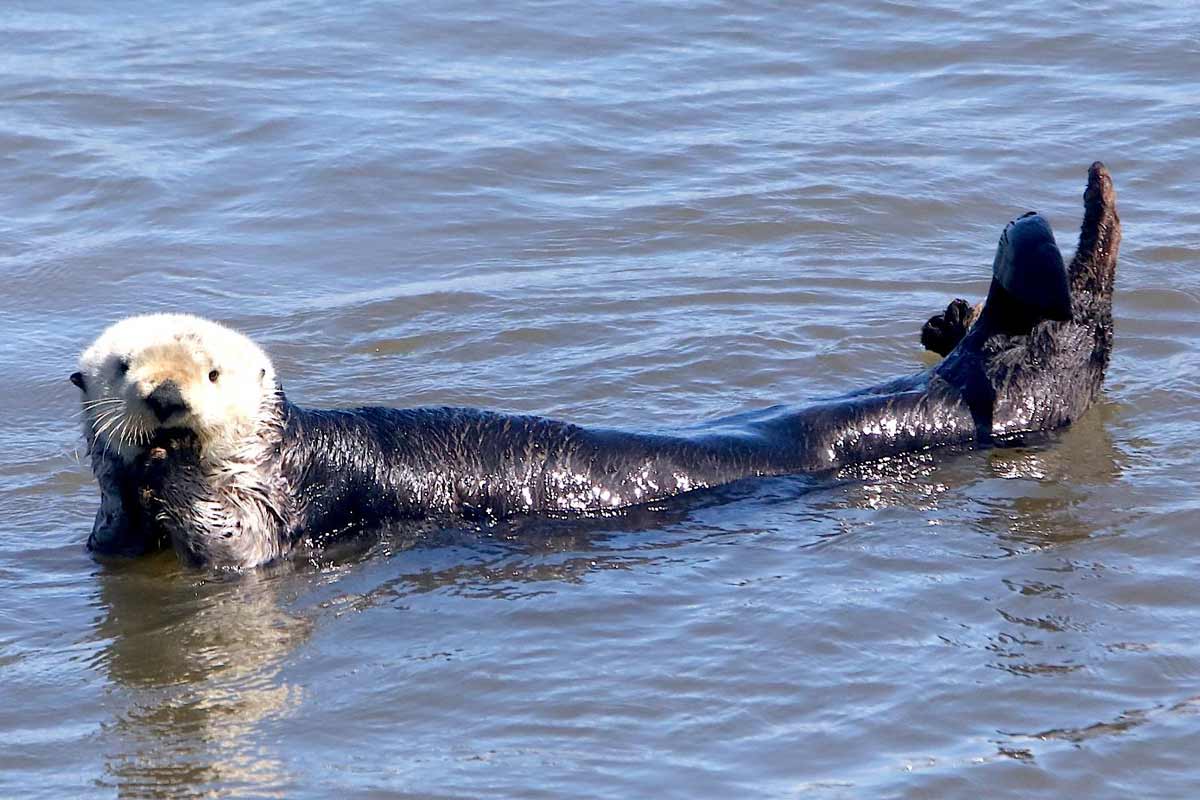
(195, 446)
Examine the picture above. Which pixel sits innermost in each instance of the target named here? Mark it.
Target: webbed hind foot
(942, 332)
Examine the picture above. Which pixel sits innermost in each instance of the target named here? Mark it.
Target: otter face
(156, 372)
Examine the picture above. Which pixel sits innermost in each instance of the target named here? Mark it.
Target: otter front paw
(169, 465)
(944, 331)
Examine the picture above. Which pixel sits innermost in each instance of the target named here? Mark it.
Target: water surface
(632, 214)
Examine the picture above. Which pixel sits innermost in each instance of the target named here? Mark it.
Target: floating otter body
(194, 444)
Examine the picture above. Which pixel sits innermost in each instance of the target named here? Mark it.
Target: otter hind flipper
(942, 332)
(1094, 266)
(1029, 268)
(1029, 284)
(1029, 279)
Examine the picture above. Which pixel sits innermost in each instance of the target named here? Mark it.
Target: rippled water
(640, 214)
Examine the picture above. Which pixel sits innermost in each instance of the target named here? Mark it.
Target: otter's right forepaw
(944, 331)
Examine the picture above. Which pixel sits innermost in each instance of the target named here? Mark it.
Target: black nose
(166, 400)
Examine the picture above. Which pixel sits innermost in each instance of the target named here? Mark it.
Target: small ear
(77, 379)
(262, 373)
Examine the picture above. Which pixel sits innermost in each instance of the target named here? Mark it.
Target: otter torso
(321, 473)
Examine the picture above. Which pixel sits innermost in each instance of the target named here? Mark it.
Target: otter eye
(212, 376)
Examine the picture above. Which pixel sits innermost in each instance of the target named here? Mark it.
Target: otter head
(154, 374)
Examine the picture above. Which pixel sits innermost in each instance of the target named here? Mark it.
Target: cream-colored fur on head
(226, 382)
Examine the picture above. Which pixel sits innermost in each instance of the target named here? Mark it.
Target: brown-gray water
(632, 214)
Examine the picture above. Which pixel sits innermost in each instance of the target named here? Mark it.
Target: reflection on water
(524, 558)
(1124, 723)
(1030, 500)
(1040, 494)
(197, 660)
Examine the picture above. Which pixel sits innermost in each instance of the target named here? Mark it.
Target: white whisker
(103, 401)
(100, 409)
(104, 417)
(122, 429)
(112, 420)
(98, 425)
